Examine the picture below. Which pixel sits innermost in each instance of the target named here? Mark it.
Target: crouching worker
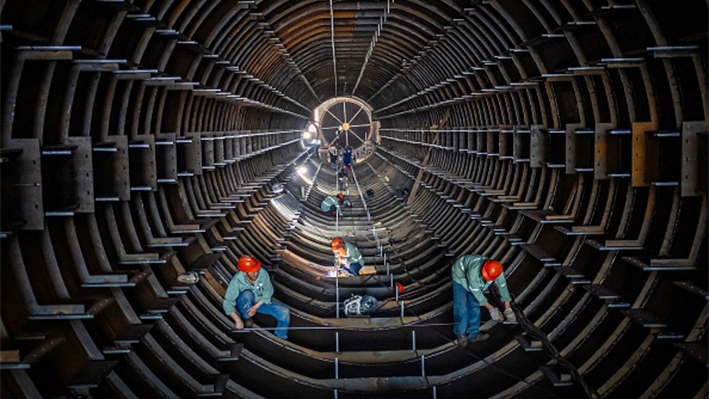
(331, 204)
(344, 174)
(250, 292)
(472, 275)
(347, 255)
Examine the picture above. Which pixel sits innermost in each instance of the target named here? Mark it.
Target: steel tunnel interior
(148, 140)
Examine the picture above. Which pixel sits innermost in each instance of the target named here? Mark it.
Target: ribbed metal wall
(141, 139)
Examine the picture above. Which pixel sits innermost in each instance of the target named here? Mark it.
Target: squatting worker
(250, 292)
(344, 173)
(347, 255)
(472, 275)
(331, 204)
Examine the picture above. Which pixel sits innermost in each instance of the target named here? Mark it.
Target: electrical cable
(551, 350)
(494, 366)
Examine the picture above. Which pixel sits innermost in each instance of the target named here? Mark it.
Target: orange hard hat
(491, 270)
(340, 196)
(337, 243)
(248, 264)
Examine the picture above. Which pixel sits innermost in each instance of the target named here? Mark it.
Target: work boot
(462, 341)
(248, 323)
(480, 337)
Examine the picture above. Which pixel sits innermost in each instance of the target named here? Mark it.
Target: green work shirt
(262, 289)
(330, 201)
(353, 254)
(466, 272)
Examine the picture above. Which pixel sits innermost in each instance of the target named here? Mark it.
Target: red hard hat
(248, 264)
(337, 243)
(399, 287)
(340, 196)
(491, 270)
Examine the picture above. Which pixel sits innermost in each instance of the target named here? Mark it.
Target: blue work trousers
(353, 268)
(245, 301)
(466, 312)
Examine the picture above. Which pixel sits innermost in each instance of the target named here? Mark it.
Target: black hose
(551, 350)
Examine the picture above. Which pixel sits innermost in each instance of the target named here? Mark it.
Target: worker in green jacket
(331, 204)
(250, 291)
(348, 256)
(472, 275)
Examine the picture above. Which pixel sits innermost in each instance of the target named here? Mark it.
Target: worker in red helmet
(347, 255)
(343, 174)
(331, 204)
(250, 291)
(472, 275)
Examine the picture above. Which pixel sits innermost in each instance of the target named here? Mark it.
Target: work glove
(510, 316)
(495, 314)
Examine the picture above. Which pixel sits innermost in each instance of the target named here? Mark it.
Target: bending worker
(348, 256)
(472, 275)
(331, 204)
(344, 174)
(250, 292)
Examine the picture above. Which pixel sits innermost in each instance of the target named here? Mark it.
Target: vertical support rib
(332, 41)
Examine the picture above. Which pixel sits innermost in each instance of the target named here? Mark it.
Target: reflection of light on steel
(306, 179)
(302, 171)
(307, 135)
(280, 204)
(312, 128)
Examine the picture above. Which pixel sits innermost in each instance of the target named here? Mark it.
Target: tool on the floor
(360, 305)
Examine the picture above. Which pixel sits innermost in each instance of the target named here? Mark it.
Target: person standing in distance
(332, 150)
